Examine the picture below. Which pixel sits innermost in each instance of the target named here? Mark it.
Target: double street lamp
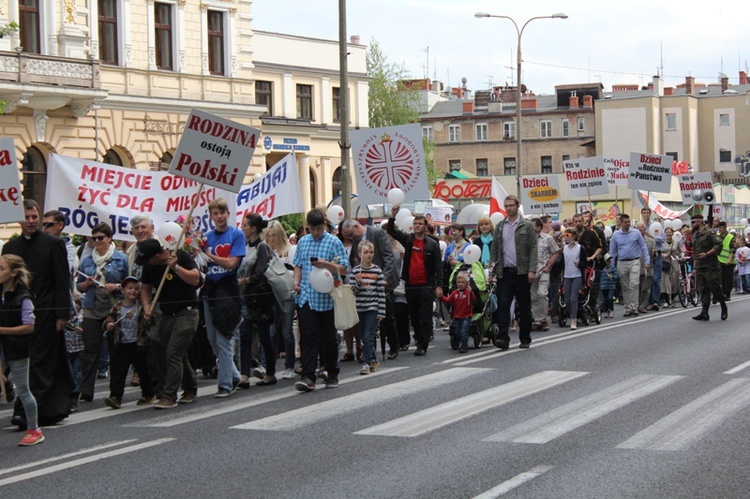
(519, 149)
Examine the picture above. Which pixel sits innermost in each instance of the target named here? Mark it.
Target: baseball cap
(128, 279)
(147, 249)
(607, 257)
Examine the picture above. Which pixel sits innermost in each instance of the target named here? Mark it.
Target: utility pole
(346, 190)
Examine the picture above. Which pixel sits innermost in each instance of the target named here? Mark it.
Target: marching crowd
(229, 306)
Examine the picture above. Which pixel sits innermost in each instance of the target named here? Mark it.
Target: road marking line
(687, 425)
(514, 482)
(78, 462)
(739, 368)
(313, 413)
(568, 417)
(5, 471)
(421, 422)
(201, 413)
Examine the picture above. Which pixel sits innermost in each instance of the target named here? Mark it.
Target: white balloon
(656, 229)
(677, 224)
(472, 254)
(335, 214)
(743, 221)
(607, 232)
(396, 196)
(291, 252)
(409, 224)
(747, 231)
(257, 177)
(443, 247)
(677, 235)
(401, 217)
(169, 233)
(496, 218)
(745, 253)
(321, 280)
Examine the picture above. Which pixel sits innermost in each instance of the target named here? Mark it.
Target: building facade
(114, 81)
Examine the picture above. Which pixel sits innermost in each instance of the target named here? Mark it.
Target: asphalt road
(654, 406)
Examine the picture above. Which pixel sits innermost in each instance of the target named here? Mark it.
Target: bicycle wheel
(683, 296)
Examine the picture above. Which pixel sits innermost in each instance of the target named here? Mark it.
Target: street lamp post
(519, 32)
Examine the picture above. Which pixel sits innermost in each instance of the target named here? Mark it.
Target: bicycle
(688, 290)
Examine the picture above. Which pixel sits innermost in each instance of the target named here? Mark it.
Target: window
(671, 121)
(336, 104)
(673, 154)
(215, 42)
(565, 127)
(34, 171)
(428, 133)
(304, 102)
(264, 95)
(482, 167)
(545, 129)
(546, 164)
(163, 26)
(566, 157)
(108, 31)
(336, 182)
(482, 131)
(725, 156)
(454, 165)
(454, 133)
(509, 130)
(581, 124)
(28, 20)
(723, 120)
(509, 166)
(111, 157)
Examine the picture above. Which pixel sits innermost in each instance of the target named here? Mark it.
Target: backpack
(280, 280)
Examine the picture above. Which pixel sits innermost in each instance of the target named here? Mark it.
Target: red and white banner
(214, 151)
(87, 193)
(497, 197)
(11, 204)
(659, 209)
(276, 193)
(387, 158)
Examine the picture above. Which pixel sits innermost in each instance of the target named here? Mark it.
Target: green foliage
(291, 222)
(9, 28)
(389, 104)
(429, 158)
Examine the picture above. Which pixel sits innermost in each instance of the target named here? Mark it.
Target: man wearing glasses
(53, 223)
(422, 271)
(514, 252)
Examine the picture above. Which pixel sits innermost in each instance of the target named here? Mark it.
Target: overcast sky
(602, 40)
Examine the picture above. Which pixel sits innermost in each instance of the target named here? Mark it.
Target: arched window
(163, 163)
(112, 158)
(34, 171)
(119, 156)
(313, 182)
(336, 183)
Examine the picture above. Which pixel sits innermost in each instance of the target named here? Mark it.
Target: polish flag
(498, 196)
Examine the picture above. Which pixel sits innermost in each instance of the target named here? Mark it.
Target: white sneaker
(573, 324)
(259, 372)
(288, 374)
(365, 369)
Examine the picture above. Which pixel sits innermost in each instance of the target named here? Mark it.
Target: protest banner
(11, 203)
(87, 193)
(274, 194)
(586, 177)
(386, 158)
(618, 169)
(497, 198)
(658, 209)
(214, 151)
(691, 182)
(540, 194)
(438, 215)
(650, 172)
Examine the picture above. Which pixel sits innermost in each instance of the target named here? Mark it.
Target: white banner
(586, 177)
(689, 183)
(214, 151)
(276, 193)
(658, 209)
(618, 169)
(88, 193)
(386, 158)
(540, 194)
(650, 172)
(438, 215)
(11, 204)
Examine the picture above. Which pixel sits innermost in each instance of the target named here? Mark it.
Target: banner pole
(179, 242)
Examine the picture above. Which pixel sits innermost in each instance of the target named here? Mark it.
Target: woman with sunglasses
(99, 277)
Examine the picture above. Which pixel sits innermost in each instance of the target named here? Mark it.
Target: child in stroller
(479, 322)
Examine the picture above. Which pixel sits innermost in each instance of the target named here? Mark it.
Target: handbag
(344, 307)
(280, 280)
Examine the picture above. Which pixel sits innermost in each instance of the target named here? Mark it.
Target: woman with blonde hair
(276, 239)
(484, 239)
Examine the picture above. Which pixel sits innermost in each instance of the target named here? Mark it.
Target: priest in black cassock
(49, 374)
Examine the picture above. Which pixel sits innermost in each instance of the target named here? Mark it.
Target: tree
(390, 103)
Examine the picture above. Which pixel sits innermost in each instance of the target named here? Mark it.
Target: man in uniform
(706, 248)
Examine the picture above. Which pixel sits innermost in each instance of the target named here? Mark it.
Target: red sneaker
(32, 437)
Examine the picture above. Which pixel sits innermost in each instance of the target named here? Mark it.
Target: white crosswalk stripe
(566, 418)
(351, 403)
(693, 421)
(435, 417)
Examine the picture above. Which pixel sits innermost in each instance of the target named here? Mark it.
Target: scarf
(101, 260)
(486, 241)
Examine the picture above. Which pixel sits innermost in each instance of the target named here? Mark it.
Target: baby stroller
(481, 320)
(588, 310)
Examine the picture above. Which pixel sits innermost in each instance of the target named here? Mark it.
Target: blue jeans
(287, 332)
(223, 348)
(461, 329)
(75, 359)
(368, 325)
(609, 300)
(655, 297)
(572, 287)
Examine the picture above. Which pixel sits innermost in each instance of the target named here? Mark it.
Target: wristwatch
(176, 267)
